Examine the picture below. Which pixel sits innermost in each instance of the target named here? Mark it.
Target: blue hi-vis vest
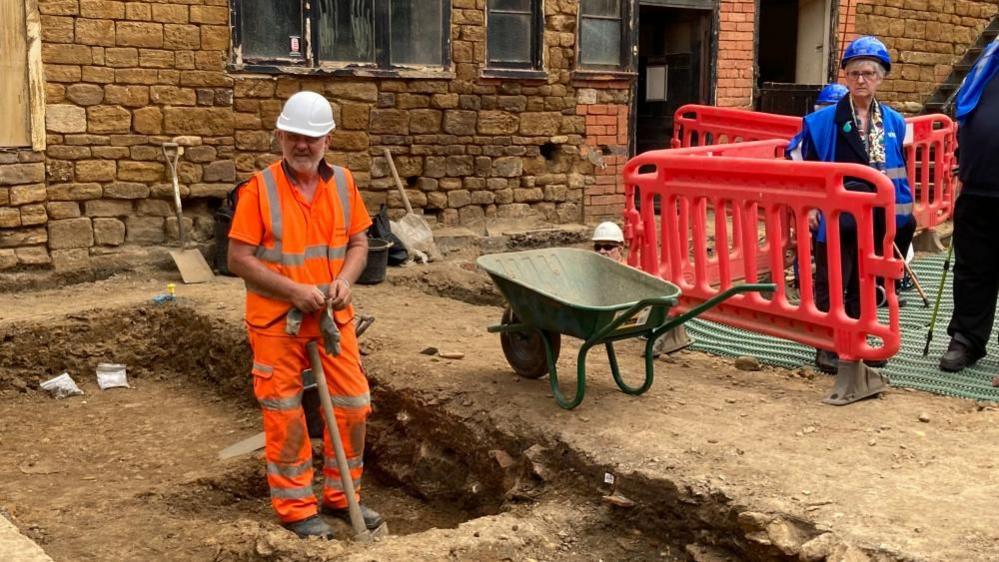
(974, 83)
(818, 135)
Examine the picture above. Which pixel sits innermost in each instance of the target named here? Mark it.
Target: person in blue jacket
(857, 129)
(976, 265)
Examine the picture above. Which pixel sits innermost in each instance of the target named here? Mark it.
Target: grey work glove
(330, 332)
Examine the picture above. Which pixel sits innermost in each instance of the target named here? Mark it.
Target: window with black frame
(602, 37)
(514, 34)
(382, 34)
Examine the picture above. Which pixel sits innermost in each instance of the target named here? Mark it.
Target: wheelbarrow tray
(578, 292)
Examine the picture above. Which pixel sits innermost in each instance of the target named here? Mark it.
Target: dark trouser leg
(976, 269)
(848, 261)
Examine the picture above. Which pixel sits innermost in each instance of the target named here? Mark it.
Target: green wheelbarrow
(585, 295)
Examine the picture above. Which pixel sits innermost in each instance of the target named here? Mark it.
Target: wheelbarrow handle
(709, 304)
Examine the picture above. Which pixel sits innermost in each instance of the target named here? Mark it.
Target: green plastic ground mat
(908, 369)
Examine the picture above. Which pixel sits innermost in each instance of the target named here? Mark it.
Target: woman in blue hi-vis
(858, 129)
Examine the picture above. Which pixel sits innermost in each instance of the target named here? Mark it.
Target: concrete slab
(15, 547)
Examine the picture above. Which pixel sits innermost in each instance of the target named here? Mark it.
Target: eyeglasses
(598, 247)
(867, 75)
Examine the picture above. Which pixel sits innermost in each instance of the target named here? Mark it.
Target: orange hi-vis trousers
(278, 362)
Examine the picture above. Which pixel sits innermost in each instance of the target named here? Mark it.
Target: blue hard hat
(868, 47)
(831, 94)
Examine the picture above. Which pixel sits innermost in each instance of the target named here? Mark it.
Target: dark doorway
(792, 60)
(674, 54)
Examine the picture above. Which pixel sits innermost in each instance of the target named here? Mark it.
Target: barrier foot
(855, 381)
(673, 340)
(928, 241)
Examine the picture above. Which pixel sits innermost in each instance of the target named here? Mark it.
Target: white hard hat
(306, 113)
(608, 232)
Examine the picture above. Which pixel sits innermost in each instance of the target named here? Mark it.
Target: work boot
(372, 520)
(958, 356)
(826, 361)
(311, 527)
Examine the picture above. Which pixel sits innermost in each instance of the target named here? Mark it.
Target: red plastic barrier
(703, 125)
(930, 161)
(929, 150)
(733, 188)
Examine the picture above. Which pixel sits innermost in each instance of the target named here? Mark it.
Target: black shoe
(827, 361)
(372, 520)
(312, 527)
(876, 363)
(958, 356)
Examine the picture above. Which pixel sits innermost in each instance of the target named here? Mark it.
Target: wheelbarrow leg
(580, 377)
(649, 370)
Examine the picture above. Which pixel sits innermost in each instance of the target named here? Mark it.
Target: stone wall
(926, 38)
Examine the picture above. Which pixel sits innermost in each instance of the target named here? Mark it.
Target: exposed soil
(466, 460)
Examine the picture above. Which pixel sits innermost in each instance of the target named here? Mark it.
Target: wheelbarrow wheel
(525, 351)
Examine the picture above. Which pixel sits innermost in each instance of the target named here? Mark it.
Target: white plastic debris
(111, 375)
(62, 386)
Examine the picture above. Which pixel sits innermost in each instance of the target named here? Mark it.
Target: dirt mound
(462, 281)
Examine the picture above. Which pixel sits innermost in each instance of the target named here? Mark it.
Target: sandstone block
(259, 141)
(62, 209)
(356, 91)
(23, 237)
(459, 166)
(425, 121)
(389, 121)
(60, 8)
(459, 198)
(155, 208)
(33, 255)
(459, 122)
(508, 167)
(498, 123)
(349, 140)
(95, 170)
(200, 153)
(10, 217)
(138, 34)
(444, 101)
(172, 95)
(126, 190)
(65, 118)
(170, 13)
(144, 230)
(148, 121)
(215, 37)
(128, 96)
(99, 32)
(109, 232)
(140, 171)
(74, 191)
(221, 171)
(33, 215)
(354, 115)
(198, 121)
(70, 233)
(61, 53)
(156, 58)
(107, 208)
(179, 36)
(71, 259)
(24, 194)
(121, 57)
(85, 95)
(540, 123)
(210, 190)
(103, 119)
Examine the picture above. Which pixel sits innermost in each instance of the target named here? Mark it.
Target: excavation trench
(132, 473)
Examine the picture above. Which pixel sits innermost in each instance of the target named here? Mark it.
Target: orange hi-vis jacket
(303, 241)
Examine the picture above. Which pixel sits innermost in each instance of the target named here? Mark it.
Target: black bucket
(374, 271)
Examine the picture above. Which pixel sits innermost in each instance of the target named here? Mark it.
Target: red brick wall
(736, 23)
(607, 137)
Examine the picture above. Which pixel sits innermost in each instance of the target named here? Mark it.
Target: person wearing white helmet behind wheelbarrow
(608, 241)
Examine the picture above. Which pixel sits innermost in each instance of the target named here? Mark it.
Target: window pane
(609, 8)
(600, 43)
(415, 32)
(514, 5)
(266, 27)
(509, 38)
(346, 30)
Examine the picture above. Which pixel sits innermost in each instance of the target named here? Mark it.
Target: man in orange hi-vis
(298, 241)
